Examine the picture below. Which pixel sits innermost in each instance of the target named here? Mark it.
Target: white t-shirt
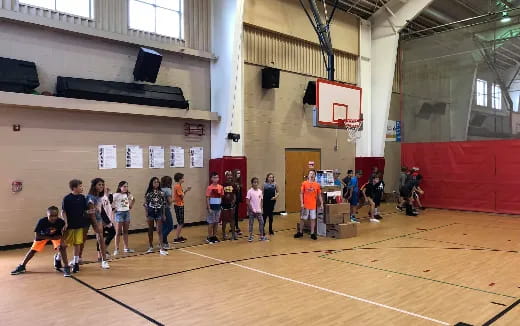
(122, 202)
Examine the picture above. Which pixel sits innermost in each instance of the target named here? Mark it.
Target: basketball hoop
(353, 127)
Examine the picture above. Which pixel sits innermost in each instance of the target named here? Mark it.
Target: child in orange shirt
(214, 194)
(309, 196)
(178, 199)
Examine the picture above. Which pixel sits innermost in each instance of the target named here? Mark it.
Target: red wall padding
(366, 164)
(477, 175)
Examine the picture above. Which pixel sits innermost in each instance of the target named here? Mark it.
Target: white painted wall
(59, 53)
(227, 77)
(364, 144)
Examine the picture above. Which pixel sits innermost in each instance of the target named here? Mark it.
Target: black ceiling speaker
(310, 94)
(270, 78)
(147, 65)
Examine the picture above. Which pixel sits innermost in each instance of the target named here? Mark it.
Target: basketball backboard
(335, 103)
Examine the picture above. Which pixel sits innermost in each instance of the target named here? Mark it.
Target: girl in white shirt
(123, 203)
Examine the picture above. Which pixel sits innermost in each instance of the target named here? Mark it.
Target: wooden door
(296, 170)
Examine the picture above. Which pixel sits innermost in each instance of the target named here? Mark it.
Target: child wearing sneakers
(178, 196)
(309, 196)
(229, 205)
(155, 203)
(214, 194)
(254, 201)
(74, 213)
(353, 197)
(123, 201)
(47, 229)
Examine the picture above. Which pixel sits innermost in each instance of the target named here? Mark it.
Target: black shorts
(179, 213)
(403, 192)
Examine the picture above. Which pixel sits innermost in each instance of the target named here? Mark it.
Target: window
(82, 8)
(162, 17)
(482, 92)
(496, 98)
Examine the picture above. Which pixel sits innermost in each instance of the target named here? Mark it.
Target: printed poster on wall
(156, 157)
(107, 157)
(196, 157)
(176, 157)
(134, 157)
(393, 130)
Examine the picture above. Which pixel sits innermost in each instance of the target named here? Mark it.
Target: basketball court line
(418, 277)
(124, 305)
(321, 288)
(467, 245)
(502, 313)
(270, 256)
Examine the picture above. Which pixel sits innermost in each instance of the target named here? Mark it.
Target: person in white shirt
(123, 201)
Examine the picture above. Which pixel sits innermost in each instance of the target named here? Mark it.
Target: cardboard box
(334, 213)
(337, 209)
(342, 231)
(335, 219)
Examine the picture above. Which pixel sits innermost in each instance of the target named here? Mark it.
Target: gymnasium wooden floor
(443, 267)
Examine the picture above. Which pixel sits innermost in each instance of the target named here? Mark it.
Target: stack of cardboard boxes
(333, 222)
(336, 220)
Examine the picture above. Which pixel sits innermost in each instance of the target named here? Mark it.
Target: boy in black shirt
(228, 205)
(406, 191)
(373, 192)
(74, 212)
(47, 229)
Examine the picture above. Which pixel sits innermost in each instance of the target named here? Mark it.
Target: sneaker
(18, 270)
(150, 250)
(271, 232)
(57, 262)
(66, 271)
(378, 217)
(215, 239)
(238, 232)
(298, 235)
(373, 220)
(177, 240)
(183, 239)
(75, 268)
(412, 214)
(163, 252)
(128, 251)
(251, 238)
(105, 265)
(354, 220)
(399, 208)
(314, 236)
(264, 238)
(209, 240)
(166, 246)
(116, 252)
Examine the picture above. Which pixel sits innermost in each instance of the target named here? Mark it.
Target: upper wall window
(482, 92)
(162, 17)
(496, 102)
(82, 8)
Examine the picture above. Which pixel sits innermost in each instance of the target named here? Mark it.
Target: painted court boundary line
(321, 288)
(124, 305)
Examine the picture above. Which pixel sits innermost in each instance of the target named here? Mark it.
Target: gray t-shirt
(402, 179)
(167, 193)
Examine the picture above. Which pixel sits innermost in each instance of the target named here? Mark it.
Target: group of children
(109, 215)
(222, 203)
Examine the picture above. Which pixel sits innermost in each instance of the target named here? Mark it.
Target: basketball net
(353, 127)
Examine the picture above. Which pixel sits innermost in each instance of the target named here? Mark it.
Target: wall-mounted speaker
(270, 78)
(310, 94)
(147, 65)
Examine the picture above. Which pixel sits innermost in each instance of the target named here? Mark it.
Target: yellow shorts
(39, 245)
(74, 236)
